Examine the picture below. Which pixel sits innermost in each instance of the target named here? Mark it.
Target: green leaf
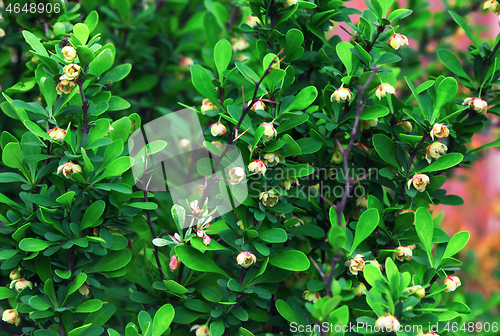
(203, 82)
(286, 311)
(463, 24)
(87, 164)
(34, 42)
(81, 32)
(451, 62)
(63, 274)
(92, 216)
(293, 121)
(77, 282)
(101, 63)
(162, 320)
(292, 148)
(116, 74)
(34, 245)
(298, 170)
(12, 155)
(425, 230)
(197, 261)
(91, 20)
(399, 14)
(345, 55)
(446, 161)
(385, 149)
(276, 235)
(117, 104)
(445, 94)
(117, 167)
(367, 223)
(6, 293)
(222, 56)
(85, 55)
(290, 260)
(89, 306)
(456, 244)
(294, 50)
(217, 328)
(112, 261)
(38, 303)
(372, 112)
(101, 316)
(144, 205)
(303, 99)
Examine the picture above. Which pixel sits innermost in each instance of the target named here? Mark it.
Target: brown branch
(346, 151)
(85, 103)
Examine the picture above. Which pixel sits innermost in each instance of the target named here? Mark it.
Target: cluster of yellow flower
(71, 71)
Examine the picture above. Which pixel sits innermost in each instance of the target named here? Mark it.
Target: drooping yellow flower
(439, 131)
(289, 3)
(435, 150)
(406, 126)
(269, 198)
(492, 5)
(57, 134)
(420, 181)
(356, 264)
(71, 72)
(65, 86)
(403, 253)
(257, 166)
(201, 330)
(476, 104)
(269, 131)
(236, 174)
(246, 259)
(384, 89)
(258, 105)
(398, 40)
(20, 284)
(311, 296)
(287, 183)
(272, 159)
(11, 316)
(360, 289)
(68, 169)
(239, 44)
(341, 94)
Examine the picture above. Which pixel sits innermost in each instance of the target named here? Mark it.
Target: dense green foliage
(343, 155)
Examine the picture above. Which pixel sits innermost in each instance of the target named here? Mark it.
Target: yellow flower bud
(84, 290)
(217, 129)
(476, 104)
(289, 3)
(207, 105)
(420, 181)
(69, 53)
(11, 316)
(406, 126)
(14, 275)
(174, 263)
(384, 89)
(492, 5)
(246, 259)
(2, 33)
(367, 124)
(186, 63)
(287, 183)
(452, 282)
(417, 291)
(269, 131)
(239, 44)
(337, 157)
(362, 202)
(435, 150)
(375, 263)
(388, 323)
(397, 40)
(258, 105)
(201, 330)
(252, 21)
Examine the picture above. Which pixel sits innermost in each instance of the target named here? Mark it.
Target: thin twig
(346, 151)
(85, 103)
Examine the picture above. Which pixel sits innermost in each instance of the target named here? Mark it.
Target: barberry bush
(325, 226)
